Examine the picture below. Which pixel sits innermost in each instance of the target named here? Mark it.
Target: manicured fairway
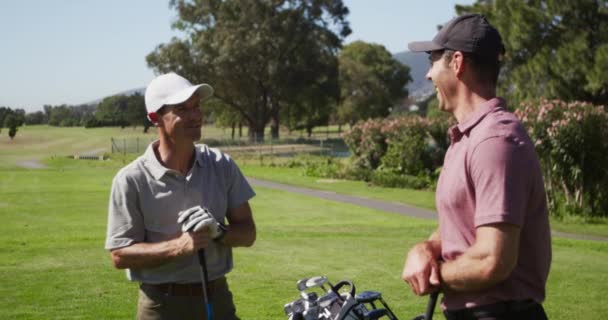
(53, 266)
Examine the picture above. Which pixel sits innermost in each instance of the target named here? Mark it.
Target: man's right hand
(421, 270)
(188, 243)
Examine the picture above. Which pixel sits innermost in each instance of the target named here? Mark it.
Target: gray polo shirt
(146, 198)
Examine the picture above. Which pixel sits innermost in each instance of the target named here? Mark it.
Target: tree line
(281, 63)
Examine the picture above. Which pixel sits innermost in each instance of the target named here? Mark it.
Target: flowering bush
(406, 146)
(572, 143)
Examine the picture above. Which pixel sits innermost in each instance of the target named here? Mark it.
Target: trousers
(507, 310)
(179, 301)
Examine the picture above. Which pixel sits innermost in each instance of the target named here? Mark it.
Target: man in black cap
(491, 254)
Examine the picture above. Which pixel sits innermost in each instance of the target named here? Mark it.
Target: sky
(77, 51)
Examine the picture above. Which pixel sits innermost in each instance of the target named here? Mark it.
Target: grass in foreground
(419, 198)
(54, 266)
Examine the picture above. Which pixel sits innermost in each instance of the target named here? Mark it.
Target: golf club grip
(203, 262)
(430, 307)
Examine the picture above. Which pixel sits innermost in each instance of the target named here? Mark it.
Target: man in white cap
(173, 201)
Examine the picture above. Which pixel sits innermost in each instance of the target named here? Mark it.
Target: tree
(371, 82)
(12, 123)
(4, 112)
(223, 116)
(136, 113)
(37, 117)
(555, 49)
(113, 111)
(313, 105)
(254, 53)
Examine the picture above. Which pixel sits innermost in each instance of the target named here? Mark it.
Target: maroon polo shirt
(491, 174)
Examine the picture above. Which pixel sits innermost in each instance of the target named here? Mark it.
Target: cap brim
(424, 46)
(205, 91)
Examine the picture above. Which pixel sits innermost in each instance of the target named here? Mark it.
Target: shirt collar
(474, 118)
(156, 168)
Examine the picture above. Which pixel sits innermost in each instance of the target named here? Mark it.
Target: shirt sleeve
(125, 220)
(501, 179)
(239, 189)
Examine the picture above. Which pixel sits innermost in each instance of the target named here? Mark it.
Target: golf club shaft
(430, 307)
(204, 279)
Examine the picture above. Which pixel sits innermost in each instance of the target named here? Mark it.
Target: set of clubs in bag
(335, 303)
(332, 304)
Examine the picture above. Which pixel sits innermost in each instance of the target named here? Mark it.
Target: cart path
(36, 164)
(392, 207)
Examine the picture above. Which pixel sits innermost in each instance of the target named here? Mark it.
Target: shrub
(393, 180)
(570, 139)
(406, 145)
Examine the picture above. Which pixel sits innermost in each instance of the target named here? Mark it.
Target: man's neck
(468, 101)
(175, 155)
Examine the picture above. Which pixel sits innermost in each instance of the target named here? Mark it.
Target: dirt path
(386, 206)
(31, 164)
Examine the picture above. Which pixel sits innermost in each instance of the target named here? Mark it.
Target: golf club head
(307, 283)
(327, 300)
(309, 296)
(301, 284)
(297, 306)
(368, 296)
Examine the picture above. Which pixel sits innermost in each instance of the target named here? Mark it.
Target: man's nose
(428, 75)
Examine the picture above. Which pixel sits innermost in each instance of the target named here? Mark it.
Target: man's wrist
(222, 229)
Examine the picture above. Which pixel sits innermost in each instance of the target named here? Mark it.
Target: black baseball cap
(470, 33)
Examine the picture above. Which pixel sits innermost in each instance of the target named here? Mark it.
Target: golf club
(430, 307)
(204, 279)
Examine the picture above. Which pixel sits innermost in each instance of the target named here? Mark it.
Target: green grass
(419, 198)
(53, 266)
(295, 176)
(42, 141)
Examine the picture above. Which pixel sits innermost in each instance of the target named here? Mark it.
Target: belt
(183, 289)
(495, 309)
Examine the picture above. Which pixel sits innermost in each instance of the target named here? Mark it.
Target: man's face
(444, 79)
(182, 122)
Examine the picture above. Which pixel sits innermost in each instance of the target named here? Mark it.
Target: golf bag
(332, 304)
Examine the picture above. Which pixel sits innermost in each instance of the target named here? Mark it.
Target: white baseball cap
(171, 88)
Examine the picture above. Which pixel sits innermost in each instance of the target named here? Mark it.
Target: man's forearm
(145, 255)
(240, 235)
(468, 273)
(485, 264)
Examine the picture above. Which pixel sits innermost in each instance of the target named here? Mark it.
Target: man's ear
(153, 117)
(458, 64)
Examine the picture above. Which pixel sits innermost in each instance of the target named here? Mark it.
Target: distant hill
(420, 88)
(131, 92)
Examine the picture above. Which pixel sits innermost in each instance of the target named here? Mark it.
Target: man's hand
(196, 219)
(421, 270)
(190, 242)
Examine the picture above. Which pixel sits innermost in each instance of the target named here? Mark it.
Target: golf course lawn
(53, 265)
(418, 198)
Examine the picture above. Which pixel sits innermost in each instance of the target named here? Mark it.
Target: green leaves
(260, 56)
(371, 82)
(555, 49)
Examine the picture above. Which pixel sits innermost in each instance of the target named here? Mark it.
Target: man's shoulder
(498, 123)
(132, 171)
(212, 156)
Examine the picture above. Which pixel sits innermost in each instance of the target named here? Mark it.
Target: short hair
(485, 69)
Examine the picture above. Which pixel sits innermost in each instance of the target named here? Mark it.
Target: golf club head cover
(198, 218)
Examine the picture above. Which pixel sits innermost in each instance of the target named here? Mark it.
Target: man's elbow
(251, 239)
(117, 260)
(498, 270)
